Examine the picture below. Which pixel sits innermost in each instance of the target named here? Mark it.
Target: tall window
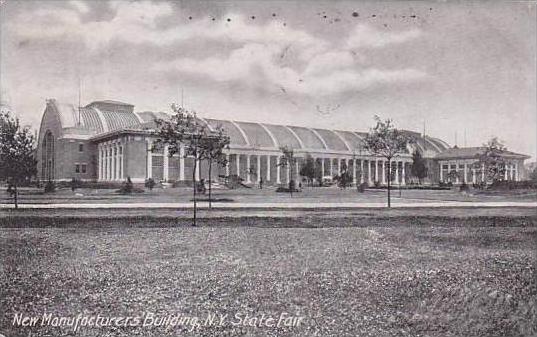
(77, 168)
(84, 168)
(80, 147)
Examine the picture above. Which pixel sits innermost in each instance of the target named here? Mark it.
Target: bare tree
(386, 141)
(212, 149)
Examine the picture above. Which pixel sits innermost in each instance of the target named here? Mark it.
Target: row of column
(511, 172)
(370, 177)
(110, 161)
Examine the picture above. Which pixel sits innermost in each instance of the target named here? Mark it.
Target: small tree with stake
(17, 162)
(183, 129)
(288, 160)
(308, 170)
(212, 149)
(386, 141)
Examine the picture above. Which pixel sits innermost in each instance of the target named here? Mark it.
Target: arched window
(47, 157)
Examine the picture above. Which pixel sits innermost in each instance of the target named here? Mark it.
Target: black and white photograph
(268, 168)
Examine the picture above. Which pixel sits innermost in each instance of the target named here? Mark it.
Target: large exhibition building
(109, 141)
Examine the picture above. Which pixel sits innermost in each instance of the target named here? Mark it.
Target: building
(109, 141)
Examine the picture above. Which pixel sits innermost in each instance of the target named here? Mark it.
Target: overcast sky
(457, 68)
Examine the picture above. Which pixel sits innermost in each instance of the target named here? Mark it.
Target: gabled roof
(474, 152)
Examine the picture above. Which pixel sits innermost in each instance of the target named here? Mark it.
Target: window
(80, 147)
(77, 168)
(83, 168)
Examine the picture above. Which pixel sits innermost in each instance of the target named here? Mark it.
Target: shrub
(464, 187)
(377, 183)
(150, 183)
(127, 187)
(50, 187)
(361, 187)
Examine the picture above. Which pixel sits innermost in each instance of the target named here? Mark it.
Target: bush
(282, 189)
(464, 187)
(513, 185)
(361, 187)
(150, 183)
(50, 187)
(377, 183)
(127, 187)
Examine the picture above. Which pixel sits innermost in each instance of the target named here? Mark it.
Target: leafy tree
(184, 129)
(492, 159)
(288, 160)
(386, 141)
(17, 162)
(308, 169)
(533, 174)
(212, 149)
(344, 180)
(419, 168)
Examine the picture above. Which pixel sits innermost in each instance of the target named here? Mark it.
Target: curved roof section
(308, 137)
(284, 136)
(256, 134)
(235, 134)
(352, 139)
(332, 140)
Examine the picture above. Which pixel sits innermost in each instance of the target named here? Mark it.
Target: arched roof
(105, 116)
(96, 117)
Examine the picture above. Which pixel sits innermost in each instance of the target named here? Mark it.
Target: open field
(378, 273)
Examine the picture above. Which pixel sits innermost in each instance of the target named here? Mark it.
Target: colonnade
(110, 162)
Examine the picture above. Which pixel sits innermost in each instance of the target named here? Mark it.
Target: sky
(464, 72)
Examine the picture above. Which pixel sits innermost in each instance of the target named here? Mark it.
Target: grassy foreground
(375, 277)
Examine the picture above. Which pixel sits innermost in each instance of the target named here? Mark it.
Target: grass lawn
(266, 195)
(352, 276)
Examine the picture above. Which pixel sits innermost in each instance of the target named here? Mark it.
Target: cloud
(258, 65)
(268, 55)
(365, 36)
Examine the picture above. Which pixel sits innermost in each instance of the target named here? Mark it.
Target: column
(338, 166)
(322, 167)
(383, 172)
(397, 172)
(181, 162)
(512, 171)
(122, 172)
(361, 171)
(198, 168)
(248, 180)
(457, 170)
(165, 164)
(268, 168)
(465, 180)
(258, 168)
(506, 168)
(369, 172)
(441, 171)
(403, 180)
(331, 167)
(473, 176)
(483, 172)
(517, 176)
(110, 162)
(118, 167)
(377, 170)
(100, 162)
(278, 167)
(227, 165)
(354, 171)
(149, 161)
(238, 164)
(288, 170)
(297, 166)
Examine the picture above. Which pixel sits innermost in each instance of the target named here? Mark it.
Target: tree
(533, 175)
(183, 130)
(17, 162)
(308, 169)
(492, 159)
(212, 149)
(288, 160)
(386, 141)
(419, 167)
